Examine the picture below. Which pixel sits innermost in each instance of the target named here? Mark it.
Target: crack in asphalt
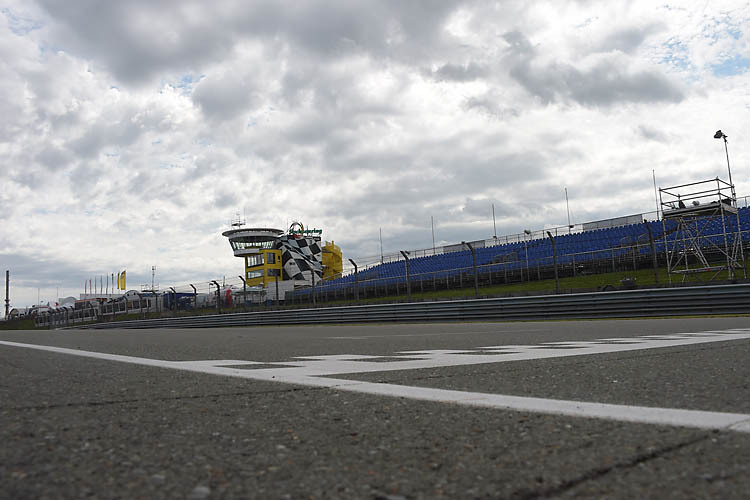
(157, 399)
(598, 473)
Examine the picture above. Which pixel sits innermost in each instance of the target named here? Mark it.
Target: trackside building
(294, 258)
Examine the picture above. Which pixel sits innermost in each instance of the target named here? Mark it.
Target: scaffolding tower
(701, 229)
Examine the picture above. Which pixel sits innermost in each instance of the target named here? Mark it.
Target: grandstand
(530, 257)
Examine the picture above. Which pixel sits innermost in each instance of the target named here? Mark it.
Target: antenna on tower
(238, 221)
(154, 288)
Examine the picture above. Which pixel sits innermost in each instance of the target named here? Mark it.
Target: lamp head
(719, 135)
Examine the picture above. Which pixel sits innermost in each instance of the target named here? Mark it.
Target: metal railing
(635, 254)
(657, 302)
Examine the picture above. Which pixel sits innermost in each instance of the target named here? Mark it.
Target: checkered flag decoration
(299, 255)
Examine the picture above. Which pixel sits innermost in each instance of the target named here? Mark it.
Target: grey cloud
(207, 163)
(651, 134)
(339, 126)
(608, 82)
(448, 174)
(483, 207)
(118, 127)
(392, 28)
(520, 46)
(140, 183)
(460, 73)
(225, 199)
(54, 158)
(42, 272)
(490, 106)
(629, 39)
(373, 161)
(223, 98)
(32, 176)
(480, 207)
(119, 134)
(137, 40)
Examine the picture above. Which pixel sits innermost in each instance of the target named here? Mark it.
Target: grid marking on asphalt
(317, 371)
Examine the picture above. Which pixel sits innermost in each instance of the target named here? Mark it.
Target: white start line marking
(318, 371)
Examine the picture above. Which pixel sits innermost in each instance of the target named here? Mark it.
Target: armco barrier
(679, 301)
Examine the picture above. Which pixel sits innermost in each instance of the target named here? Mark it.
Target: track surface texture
(380, 411)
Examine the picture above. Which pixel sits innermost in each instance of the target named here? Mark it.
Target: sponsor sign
(297, 229)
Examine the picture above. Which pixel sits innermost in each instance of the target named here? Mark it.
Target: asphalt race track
(615, 409)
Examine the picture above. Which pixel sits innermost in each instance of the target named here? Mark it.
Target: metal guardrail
(680, 301)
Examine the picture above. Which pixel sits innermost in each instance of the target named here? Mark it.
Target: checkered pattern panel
(299, 255)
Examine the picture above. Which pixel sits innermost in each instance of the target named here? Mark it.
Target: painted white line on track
(316, 371)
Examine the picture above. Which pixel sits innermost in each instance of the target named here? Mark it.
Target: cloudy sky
(133, 132)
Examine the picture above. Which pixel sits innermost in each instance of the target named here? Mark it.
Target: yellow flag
(122, 280)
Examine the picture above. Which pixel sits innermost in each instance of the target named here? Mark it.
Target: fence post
(554, 262)
(356, 280)
(653, 252)
(218, 296)
(312, 276)
(140, 305)
(574, 265)
(526, 233)
(474, 266)
(408, 282)
(244, 292)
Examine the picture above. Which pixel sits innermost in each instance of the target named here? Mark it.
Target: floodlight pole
(432, 225)
(721, 135)
(381, 244)
(356, 280)
(494, 224)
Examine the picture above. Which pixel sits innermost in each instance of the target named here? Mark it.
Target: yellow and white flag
(121, 280)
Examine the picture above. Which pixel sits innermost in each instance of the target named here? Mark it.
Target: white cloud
(132, 132)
